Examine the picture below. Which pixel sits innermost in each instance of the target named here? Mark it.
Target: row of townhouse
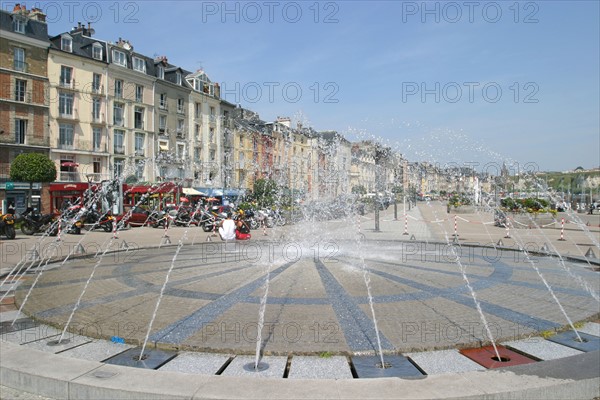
(100, 109)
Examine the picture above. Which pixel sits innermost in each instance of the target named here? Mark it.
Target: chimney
(37, 14)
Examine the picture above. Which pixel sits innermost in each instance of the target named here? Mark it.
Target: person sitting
(242, 230)
(227, 229)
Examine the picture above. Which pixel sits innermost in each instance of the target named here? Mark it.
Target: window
(211, 135)
(140, 138)
(19, 24)
(66, 76)
(96, 83)
(197, 110)
(97, 164)
(212, 111)
(118, 167)
(163, 146)
(180, 151)
(178, 78)
(119, 58)
(163, 171)
(162, 102)
(197, 130)
(139, 169)
(20, 130)
(213, 154)
(162, 122)
(68, 169)
(139, 64)
(160, 72)
(118, 88)
(20, 89)
(180, 127)
(65, 104)
(19, 59)
(118, 114)
(97, 51)
(180, 106)
(96, 108)
(66, 44)
(197, 154)
(97, 139)
(65, 136)
(139, 93)
(119, 142)
(138, 118)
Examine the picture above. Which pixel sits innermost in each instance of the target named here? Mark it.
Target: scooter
(7, 226)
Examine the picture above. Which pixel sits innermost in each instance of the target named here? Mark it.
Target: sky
(441, 81)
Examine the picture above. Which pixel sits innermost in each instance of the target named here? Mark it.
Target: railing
(70, 177)
(119, 149)
(73, 115)
(98, 90)
(98, 119)
(180, 133)
(21, 66)
(140, 152)
(180, 110)
(138, 125)
(163, 105)
(67, 84)
(65, 145)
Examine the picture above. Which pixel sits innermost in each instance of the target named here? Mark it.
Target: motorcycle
(33, 222)
(211, 221)
(7, 226)
(93, 219)
(71, 219)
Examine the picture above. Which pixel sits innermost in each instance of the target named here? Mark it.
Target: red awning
(69, 164)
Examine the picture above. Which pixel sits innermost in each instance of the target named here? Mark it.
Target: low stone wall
(525, 220)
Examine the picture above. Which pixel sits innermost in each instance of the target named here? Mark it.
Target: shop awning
(193, 192)
(164, 147)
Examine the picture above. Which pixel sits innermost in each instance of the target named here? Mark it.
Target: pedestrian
(227, 228)
(242, 230)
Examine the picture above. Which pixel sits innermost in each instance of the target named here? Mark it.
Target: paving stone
(243, 366)
(591, 328)
(303, 367)
(443, 362)
(11, 315)
(31, 334)
(51, 345)
(196, 363)
(541, 348)
(98, 350)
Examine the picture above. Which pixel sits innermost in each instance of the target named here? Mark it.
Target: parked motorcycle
(93, 219)
(7, 226)
(33, 222)
(71, 219)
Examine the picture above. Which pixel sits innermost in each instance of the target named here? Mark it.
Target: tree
(264, 192)
(32, 167)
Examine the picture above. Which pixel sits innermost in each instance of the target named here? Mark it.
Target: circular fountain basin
(329, 296)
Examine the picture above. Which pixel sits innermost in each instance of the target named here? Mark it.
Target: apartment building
(23, 93)
(78, 72)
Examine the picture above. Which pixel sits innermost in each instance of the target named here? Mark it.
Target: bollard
(507, 236)
(562, 230)
(114, 226)
(405, 224)
(455, 226)
(59, 229)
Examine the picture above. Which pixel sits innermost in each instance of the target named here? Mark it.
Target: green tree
(32, 167)
(359, 189)
(264, 192)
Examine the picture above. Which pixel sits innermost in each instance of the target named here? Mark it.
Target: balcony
(21, 66)
(119, 149)
(180, 133)
(70, 177)
(67, 84)
(77, 144)
(73, 116)
(98, 89)
(140, 152)
(163, 105)
(98, 118)
(65, 144)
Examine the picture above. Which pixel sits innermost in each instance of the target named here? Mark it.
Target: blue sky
(455, 82)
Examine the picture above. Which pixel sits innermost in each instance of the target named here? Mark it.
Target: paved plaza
(328, 281)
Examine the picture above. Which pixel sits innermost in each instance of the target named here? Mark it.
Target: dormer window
(178, 78)
(19, 24)
(97, 51)
(119, 58)
(66, 44)
(139, 64)
(160, 72)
